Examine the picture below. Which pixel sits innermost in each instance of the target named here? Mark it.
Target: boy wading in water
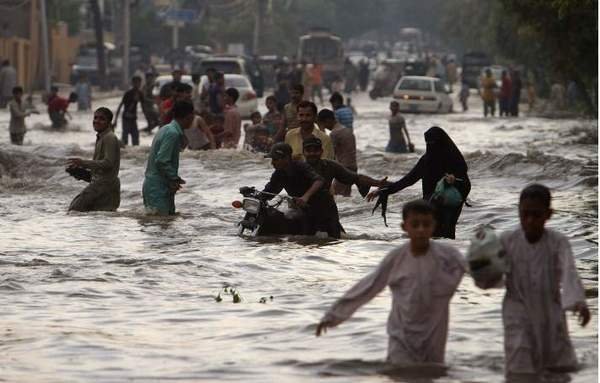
(423, 275)
(541, 284)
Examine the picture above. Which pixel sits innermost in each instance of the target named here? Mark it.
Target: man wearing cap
(307, 114)
(332, 170)
(301, 182)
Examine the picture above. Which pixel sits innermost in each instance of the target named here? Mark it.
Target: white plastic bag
(486, 259)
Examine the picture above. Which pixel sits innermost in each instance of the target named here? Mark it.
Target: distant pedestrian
(342, 112)
(8, 80)
(177, 74)
(464, 96)
(196, 93)
(399, 139)
(129, 103)
(531, 96)
(83, 88)
(18, 113)
(316, 74)
(488, 95)
(148, 103)
(216, 93)
(57, 108)
(233, 122)
(363, 74)
(161, 179)
(505, 94)
(516, 93)
(452, 73)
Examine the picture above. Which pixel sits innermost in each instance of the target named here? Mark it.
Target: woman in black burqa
(442, 159)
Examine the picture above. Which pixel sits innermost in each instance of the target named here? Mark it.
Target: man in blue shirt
(162, 180)
(343, 114)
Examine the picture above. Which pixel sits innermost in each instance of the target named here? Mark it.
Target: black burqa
(441, 157)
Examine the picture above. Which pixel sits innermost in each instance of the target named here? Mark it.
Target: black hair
(182, 87)
(195, 77)
(272, 98)
(308, 104)
(394, 103)
(136, 78)
(73, 97)
(254, 114)
(105, 112)
(53, 88)
(326, 115)
(298, 88)
(537, 192)
(182, 109)
(336, 97)
(233, 93)
(419, 206)
(17, 89)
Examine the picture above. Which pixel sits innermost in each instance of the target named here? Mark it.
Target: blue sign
(180, 15)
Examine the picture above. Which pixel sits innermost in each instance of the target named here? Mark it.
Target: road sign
(180, 15)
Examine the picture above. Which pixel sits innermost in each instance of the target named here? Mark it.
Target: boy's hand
(322, 327)
(583, 312)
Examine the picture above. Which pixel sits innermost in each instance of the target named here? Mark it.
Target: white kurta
(541, 283)
(421, 290)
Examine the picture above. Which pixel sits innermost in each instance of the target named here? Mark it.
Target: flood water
(112, 297)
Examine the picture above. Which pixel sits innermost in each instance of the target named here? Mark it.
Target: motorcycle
(263, 217)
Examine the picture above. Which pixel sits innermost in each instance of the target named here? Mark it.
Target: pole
(175, 7)
(45, 45)
(258, 26)
(126, 42)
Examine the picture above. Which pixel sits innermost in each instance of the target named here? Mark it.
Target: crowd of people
(313, 154)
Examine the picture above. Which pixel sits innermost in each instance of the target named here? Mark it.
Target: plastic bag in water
(486, 258)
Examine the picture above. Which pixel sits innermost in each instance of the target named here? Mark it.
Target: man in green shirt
(162, 180)
(104, 190)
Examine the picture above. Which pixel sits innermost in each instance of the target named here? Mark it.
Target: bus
(472, 65)
(320, 46)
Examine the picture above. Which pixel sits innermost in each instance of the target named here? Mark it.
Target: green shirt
(163, 161)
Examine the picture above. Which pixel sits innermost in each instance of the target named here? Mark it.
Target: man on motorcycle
(302, 183)
(330, 170)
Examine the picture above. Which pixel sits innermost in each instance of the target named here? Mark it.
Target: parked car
(232, 64)
(422, 94)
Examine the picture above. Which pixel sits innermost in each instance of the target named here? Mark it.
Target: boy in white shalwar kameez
(423, 275)
(541, 283)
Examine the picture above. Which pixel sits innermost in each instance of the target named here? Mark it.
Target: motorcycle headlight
(251, 205)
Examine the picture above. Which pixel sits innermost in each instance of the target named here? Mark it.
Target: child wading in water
(423, 275)
(541, 283)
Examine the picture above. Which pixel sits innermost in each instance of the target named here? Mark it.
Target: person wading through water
(441, 167)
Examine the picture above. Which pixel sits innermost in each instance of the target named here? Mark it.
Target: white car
(420, 94)
(165, 79)
(247, 102)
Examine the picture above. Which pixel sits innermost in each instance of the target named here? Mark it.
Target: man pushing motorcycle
(302, 183)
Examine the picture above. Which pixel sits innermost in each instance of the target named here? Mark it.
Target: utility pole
(45, 45)
(258, 26)
(126, 41)
(175, 7)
